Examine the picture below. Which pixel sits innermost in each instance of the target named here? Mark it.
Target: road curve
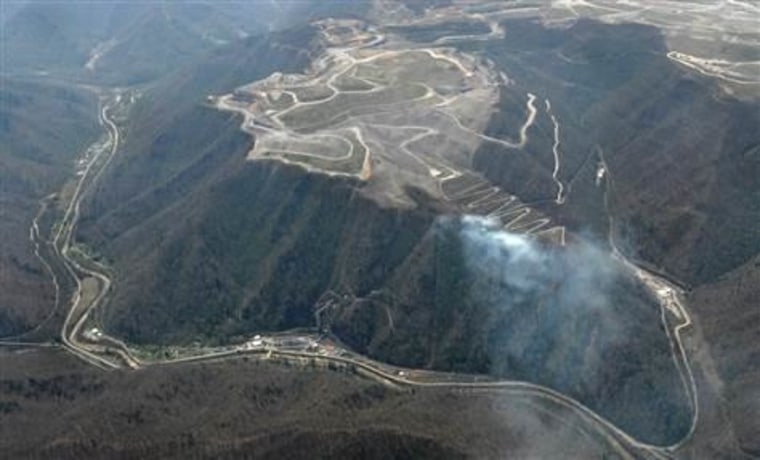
(62, 243)
(615, 436)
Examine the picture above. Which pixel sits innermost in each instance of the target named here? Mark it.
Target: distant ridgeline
(210, 246)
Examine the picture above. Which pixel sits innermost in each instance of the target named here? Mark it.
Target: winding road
(560, 199)
(669, 296)
(64, 240)
(111, 353)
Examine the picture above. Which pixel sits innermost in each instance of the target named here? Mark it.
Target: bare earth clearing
(392, 115)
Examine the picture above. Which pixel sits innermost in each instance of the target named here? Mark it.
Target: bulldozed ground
(390, 114)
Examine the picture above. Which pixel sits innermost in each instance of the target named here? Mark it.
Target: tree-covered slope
(208, 246)
(43, 128)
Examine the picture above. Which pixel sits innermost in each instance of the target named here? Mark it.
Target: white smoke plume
(571, 317)
(559, 304)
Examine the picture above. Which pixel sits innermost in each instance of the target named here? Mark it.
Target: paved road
(94, 354)
(623, 444)
(63, 242)
(670, 297)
